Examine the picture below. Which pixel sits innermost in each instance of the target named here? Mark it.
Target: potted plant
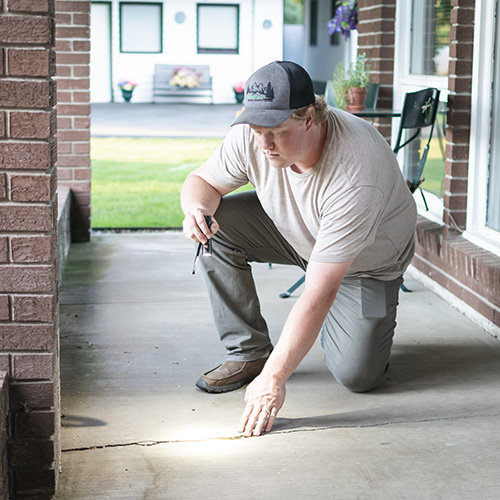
(239, 91)
(358, 77)
(349, 87)
(127, 87)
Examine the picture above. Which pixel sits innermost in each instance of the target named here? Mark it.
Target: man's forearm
(305, 319)
(297, 337)
(197, 194)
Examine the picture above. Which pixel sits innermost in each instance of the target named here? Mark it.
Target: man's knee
(360, 379)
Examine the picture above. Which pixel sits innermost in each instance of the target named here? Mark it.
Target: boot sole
(201, 384)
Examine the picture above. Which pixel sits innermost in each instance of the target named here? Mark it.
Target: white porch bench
(163, 88)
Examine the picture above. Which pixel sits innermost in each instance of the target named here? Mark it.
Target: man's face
(283, 145)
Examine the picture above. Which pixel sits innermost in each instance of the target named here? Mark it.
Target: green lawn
(136, 182)
(434, 169)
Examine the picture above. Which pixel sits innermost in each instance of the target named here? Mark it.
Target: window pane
(493, 202)
(218, 28)
(430, 37)
(140, 27)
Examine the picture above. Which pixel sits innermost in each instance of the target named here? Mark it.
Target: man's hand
(195, 226)
(200, 196)
(264, 399)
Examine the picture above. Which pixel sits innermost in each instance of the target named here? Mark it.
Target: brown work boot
(231, 375)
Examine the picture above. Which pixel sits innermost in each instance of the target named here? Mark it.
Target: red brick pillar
(73, 108)
(459, 105)
(28, 243)
(376, 40)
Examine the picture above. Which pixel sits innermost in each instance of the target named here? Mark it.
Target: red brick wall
(470, 273)
(467, 271)
(73, 108)
(28, 241)
(376, 39)
(459, 105)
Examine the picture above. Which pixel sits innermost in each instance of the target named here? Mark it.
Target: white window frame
(214, 47)
(123, 36)
(402, 53)
(481, 108)
(405, 82)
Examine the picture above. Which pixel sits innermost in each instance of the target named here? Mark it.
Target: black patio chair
(419, 112)
(372, 90)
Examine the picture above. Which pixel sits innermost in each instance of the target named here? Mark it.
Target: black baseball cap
(274, 92)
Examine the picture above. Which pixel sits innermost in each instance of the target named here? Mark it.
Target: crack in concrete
(286, 431)
(151, 443)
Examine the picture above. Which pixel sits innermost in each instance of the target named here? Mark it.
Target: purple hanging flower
(345, 18)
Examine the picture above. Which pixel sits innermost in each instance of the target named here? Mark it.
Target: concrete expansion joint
(286, 431)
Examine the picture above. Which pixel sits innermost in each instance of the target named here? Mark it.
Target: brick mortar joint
(456, 281)
(24, 79)
(21, 13)
(31, 265)
(13, 141)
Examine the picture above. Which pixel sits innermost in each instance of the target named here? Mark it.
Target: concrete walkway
(136, 333)
(162, 120)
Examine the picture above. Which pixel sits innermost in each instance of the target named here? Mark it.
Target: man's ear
(310, 119)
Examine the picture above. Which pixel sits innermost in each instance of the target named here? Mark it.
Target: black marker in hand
(207, 247)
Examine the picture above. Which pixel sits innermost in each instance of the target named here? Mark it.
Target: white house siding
(320, 60)
(258, 45)
(268, 42)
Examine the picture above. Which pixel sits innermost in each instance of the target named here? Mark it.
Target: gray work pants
(358, 330)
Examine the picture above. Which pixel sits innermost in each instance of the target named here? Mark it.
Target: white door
(100, 52)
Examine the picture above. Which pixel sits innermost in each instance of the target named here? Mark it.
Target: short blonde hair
(320, 108)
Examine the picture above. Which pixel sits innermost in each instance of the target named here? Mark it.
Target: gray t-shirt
(353, 204)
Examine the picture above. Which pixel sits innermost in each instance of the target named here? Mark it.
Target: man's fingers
(261, 421)
(270, 421)
(207, 232)
(215, 226)
(256, 420)
(252, 421)
(244, 418)
(196, 228)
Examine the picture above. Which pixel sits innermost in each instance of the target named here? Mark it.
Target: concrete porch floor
(136, 332)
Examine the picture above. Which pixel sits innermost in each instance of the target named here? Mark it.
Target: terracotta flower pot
(355, 98)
